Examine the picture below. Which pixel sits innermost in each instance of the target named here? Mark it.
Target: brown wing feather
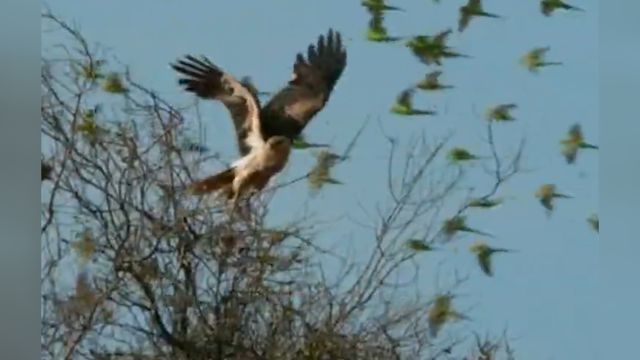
(208, 81)
(213, 183)
(314, 78)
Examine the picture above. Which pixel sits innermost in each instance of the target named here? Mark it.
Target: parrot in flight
(440, 312)
(458, 154)
(458, 224)
(404, 105)
(574, 142)
(379, 6)
(320, 174)
(501, 112)
(300, 143)
(547, 193)
(534, 59)
(483, 253)
(377, 32)
(431, 49)
(419, 245)
(431, 82)
(548, 7)
(485, 203)
(472, 9)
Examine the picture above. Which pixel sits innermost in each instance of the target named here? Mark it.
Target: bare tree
(135, 268)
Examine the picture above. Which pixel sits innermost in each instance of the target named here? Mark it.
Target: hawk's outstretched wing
(206, 80)
(289, 111)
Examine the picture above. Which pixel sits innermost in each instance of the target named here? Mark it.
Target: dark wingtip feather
(312, 54)
(321, 68)
(199, 75)
(190, 62)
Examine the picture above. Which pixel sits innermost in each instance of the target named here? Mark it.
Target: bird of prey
(547, 7)
(472, 9)
(431, 49)
(546, 193)
(264, 133)
(483, 253)
(431, 82)
(404, 105)
(534, 59)
(574, 142)
(501, 112)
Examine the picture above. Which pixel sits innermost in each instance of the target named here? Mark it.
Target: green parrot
(546, 193)
(440, 39)
(594, 222)
(378, 6)
(431, 82)
(419, 245)
(300, 143)
(483, 253)
(248, 83)
(472, 9)
(459, 154)
(91, 71)
(421, 46)
(430, 56)
(113, 84)
(432, 49)
(418, 42)
(574, 142)
(501, 112)
(547, 7)
(404, 106)
(89, 127)
(377, 32)
(485, 203)
(440, 312)
(321, 172)
(534, 59)
(458, 224)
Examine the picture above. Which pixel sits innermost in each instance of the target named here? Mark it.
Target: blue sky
(545, 293)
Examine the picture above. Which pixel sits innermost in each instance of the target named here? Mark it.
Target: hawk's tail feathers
(213, 183)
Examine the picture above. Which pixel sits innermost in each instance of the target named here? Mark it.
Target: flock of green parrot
(432, 50)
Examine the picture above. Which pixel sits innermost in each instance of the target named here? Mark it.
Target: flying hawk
(265, 133)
